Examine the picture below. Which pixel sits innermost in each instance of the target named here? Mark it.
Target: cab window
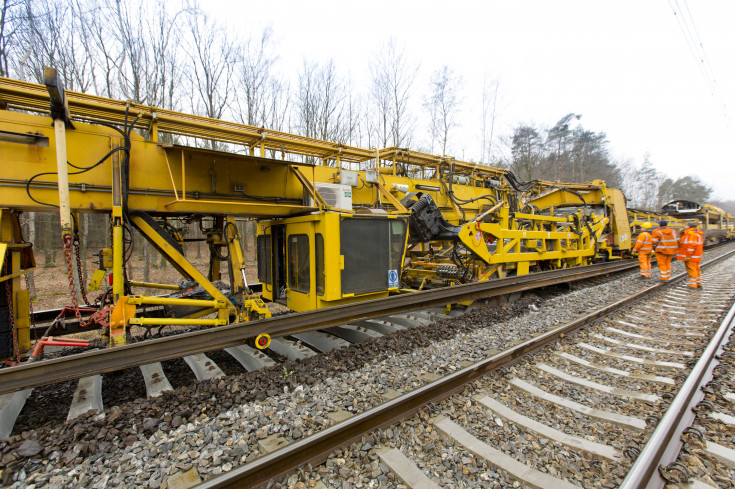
(298, 263)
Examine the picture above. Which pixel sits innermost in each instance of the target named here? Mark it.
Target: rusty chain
(82, 286)
(11, 316)
(70, 269)
(99, 316)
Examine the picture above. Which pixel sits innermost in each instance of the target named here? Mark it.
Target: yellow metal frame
(223, 306)
(547, 238)
(20, 261)
(150, 285)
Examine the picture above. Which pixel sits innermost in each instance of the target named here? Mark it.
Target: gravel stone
(29, 448)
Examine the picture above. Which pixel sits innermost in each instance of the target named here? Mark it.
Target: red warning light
(262, 341)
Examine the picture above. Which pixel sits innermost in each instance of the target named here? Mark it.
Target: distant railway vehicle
(716, 224)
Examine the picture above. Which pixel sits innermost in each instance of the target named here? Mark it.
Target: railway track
(577, 414)
(87, 394)
(133, 355)
(16, 383)
(308, 427)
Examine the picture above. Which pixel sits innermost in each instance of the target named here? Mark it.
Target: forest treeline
(178, 57)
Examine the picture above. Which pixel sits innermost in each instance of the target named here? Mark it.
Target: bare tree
(213, 55)
(319, 102)
(134, 61)
(104, 48)
(262, 99)
(354, 120)
(443, 105)
(213, 61)
(50, 40)
(277, 104)
(490, 95)
(393, 76)
(255, 79)
(627, 170)
(145, 52)
(11, 27)
(165, 44)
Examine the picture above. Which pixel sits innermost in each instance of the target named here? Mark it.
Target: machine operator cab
(330, 258)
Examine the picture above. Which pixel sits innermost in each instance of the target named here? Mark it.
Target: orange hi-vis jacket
(691, 246)
(644, 243)
(665, 241)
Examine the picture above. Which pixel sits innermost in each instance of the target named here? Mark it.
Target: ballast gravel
(214, 426)
(719, 398)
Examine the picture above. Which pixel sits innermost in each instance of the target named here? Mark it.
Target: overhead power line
(688, 27)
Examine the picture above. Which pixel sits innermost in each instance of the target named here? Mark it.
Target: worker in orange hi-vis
(699, 251)
(644, 247)
(665, 245)
(690, 252)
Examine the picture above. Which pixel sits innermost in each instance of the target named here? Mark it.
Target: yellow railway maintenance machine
(326, 235)
(103, 156)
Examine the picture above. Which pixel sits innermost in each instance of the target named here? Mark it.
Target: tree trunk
(47, 234)
(249, 238)
(32, 239)
(241, 225)
(146, 261)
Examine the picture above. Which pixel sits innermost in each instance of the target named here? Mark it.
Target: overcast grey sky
(625, 65)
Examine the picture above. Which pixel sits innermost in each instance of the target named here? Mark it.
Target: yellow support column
(122, 312)
(118, 278)
(60, 114)
(234, 248)
(118, 285)
(21, 308)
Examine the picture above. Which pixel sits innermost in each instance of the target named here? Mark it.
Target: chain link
(82, 286)
(11, 316)
(70, 269)
(99, 316)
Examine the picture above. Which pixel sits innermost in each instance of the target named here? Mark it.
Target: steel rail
(21, 377)
(664, 445)
(316, 448)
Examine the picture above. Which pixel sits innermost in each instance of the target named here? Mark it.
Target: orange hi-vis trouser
(694, 272)
(664, 265)
(695, 276)
(644, 260)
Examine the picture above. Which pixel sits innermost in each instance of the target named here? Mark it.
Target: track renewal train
(336, 224)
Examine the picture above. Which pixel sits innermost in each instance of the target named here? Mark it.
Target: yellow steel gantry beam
(33, 97)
